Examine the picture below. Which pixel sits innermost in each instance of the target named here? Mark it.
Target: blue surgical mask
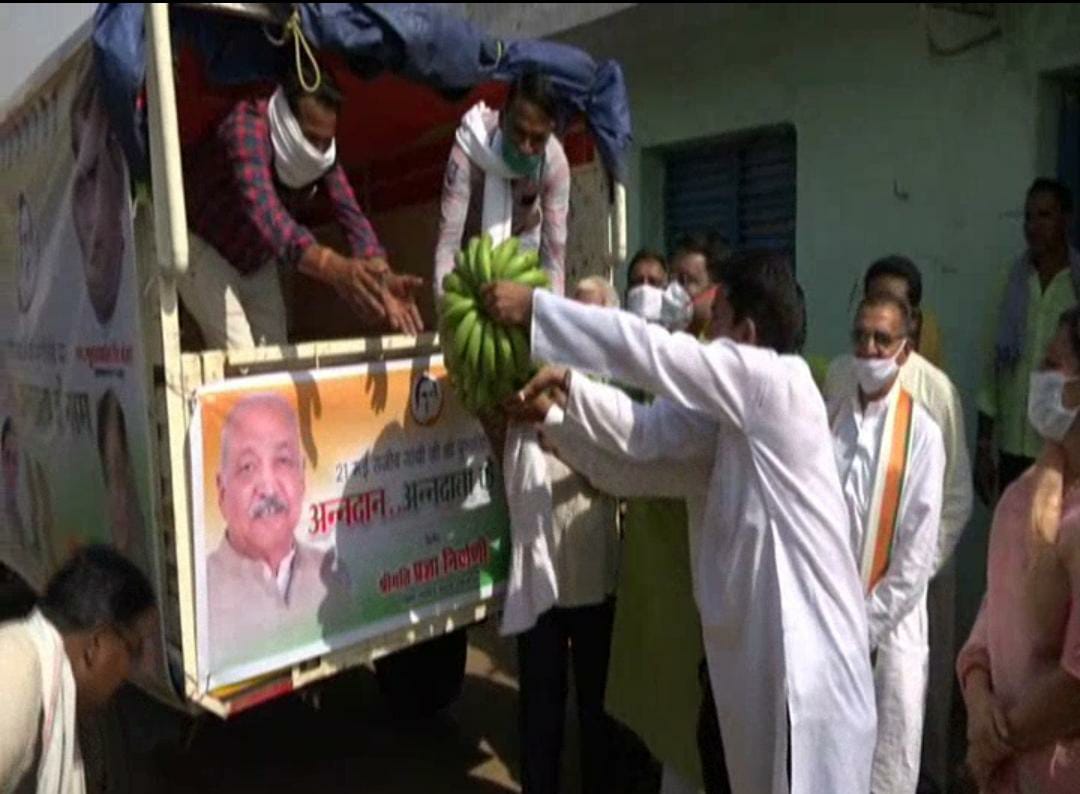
(517, 161)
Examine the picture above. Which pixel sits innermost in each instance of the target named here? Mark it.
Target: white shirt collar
(284, 573)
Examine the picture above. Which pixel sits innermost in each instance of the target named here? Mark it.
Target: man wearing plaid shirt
(265, 165)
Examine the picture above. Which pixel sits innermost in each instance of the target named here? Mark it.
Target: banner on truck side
(333, 506)
(73, 379)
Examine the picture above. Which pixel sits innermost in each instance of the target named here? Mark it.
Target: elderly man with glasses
(891, 459)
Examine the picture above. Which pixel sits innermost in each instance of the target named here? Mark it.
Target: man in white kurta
(782, 610)
(891, 459)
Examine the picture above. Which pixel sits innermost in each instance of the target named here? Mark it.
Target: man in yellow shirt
(1042, 283)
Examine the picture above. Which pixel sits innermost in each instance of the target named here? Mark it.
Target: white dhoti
(900, 674)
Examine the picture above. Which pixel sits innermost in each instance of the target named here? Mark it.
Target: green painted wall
(898, 150)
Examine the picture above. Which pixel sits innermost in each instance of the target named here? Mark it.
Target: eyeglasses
(881, 340)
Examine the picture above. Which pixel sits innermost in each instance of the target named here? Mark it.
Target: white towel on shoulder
(485, 151)
(60, 770)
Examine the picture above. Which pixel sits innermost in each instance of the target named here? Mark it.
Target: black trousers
(1010, 467)
(580, 636)
(711, 743)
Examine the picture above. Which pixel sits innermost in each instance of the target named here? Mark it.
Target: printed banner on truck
(333, 506)
(73, 379)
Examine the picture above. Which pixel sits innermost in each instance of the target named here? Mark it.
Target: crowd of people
(799, 535)
(751, 564)
(791, 537)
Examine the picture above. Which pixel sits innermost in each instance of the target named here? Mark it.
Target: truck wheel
(425, 678)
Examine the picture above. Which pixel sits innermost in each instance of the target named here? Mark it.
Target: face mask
(517, 161)
(645, 301)
(1046, 411)
(874, 374)
(297, 162)
(676, 308)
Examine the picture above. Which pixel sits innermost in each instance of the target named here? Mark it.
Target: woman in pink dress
(1020, 668)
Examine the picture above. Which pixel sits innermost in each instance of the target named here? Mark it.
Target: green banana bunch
(486, 362)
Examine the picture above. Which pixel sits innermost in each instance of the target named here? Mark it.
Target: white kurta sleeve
(713, 379)
(608, 418)
(915, 544)
(620, 475)
(957, 498)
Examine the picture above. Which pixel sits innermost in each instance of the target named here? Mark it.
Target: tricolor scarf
(892, 462)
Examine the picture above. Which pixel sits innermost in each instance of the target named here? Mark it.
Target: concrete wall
(898, 150)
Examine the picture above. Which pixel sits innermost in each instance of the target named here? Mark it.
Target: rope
(301, 49)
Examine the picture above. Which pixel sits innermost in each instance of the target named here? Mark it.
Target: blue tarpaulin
(416, 41)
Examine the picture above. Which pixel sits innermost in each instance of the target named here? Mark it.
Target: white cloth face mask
(874, 374)
(676, 308)
(297, 161)
(1046, 409)
(645, 301)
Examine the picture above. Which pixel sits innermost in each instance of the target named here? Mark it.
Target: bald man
(264, 587)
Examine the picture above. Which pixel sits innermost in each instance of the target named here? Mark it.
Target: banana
(452, 282)
(471, 250)
(534, 278)
(471, 360)
(481, 397)
(462, 269)
(490, 372)
(455, 307)
(505, 350)
(520, 345)
(485, 361)
(483, 269)
(516, 266)
(462, 333)
(506, 251)
(452, 299)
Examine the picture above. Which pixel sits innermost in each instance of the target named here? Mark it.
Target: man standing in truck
(508, 170)
(264, 165)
